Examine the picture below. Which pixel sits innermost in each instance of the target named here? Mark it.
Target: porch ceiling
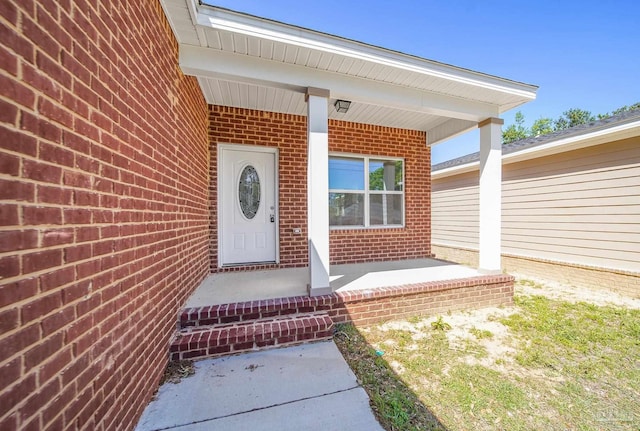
(250, 62)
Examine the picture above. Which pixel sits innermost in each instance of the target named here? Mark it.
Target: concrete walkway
(307, 387)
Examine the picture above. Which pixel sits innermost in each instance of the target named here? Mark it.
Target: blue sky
(582, 54)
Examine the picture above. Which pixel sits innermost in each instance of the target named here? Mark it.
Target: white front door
(247, 205)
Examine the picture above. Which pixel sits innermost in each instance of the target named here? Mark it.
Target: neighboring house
(145, 145)
(570, 206)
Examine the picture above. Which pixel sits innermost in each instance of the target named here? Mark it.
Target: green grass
(530, 283)
(394, 404)
(440, 325)
(574, 366)
(583, 339)
(481, 333)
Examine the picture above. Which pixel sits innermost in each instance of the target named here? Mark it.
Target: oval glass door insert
(249, 192)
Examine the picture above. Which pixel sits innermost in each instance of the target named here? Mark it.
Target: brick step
(252, 310)
(197, 342)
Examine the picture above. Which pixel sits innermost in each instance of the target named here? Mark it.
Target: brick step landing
(250, 334)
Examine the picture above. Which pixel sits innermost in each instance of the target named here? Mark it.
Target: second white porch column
(318, 189)
(490, 194)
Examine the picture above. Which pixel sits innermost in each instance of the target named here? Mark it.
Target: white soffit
(228, 50)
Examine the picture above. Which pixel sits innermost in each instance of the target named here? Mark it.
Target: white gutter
(597, 137)
(236, 22)
(571, 143)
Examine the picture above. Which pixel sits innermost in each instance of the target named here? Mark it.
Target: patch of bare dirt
(534, 286)
(482, 327)
(177, 370)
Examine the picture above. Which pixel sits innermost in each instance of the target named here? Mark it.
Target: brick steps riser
(250, 311)
(225, 339)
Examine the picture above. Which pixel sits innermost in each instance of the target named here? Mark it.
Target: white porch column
(490, 194)
(318, 189)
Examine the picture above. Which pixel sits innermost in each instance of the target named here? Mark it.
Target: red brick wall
(288, 133)
(414, 240)
(429, 298)
(104, 209)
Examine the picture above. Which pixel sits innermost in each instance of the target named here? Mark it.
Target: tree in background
(544, 125)
(376, 178)
(573, 117)
(625, 108)
(516, 131)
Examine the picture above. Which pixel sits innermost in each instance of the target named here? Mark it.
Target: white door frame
(255, 149)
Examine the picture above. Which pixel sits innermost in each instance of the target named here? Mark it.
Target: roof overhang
(598, 137)
(246, 61)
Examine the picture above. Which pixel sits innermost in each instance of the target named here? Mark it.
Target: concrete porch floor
(229, 287)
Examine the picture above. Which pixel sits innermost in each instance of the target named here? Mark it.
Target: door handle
(273, 218)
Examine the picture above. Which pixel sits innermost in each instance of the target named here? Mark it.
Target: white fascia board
(235, 22)
(455, 170)
(617, 133)
(170, 17)
(211, 63)
(193, 11)
(175, 11)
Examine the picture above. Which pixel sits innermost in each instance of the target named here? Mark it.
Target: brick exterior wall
(104, 221)
(429, 298)
(288, 133)
(623, 282)
(463, 256)
(414, 240)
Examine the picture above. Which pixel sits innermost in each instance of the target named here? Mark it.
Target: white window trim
(367, 192)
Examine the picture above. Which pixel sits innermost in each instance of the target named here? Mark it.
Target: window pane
(346, 209)
(249, 192)
(385, 175)
(385, 209)
(346, 174)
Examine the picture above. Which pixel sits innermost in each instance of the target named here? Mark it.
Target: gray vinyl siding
(580, 207)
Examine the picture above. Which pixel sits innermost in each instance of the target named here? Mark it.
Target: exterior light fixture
(342, 106)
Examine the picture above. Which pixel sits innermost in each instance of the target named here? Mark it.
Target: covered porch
(234, 287)
(354, 100)
(289, 108)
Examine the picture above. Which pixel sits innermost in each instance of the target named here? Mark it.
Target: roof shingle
(522, 144)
